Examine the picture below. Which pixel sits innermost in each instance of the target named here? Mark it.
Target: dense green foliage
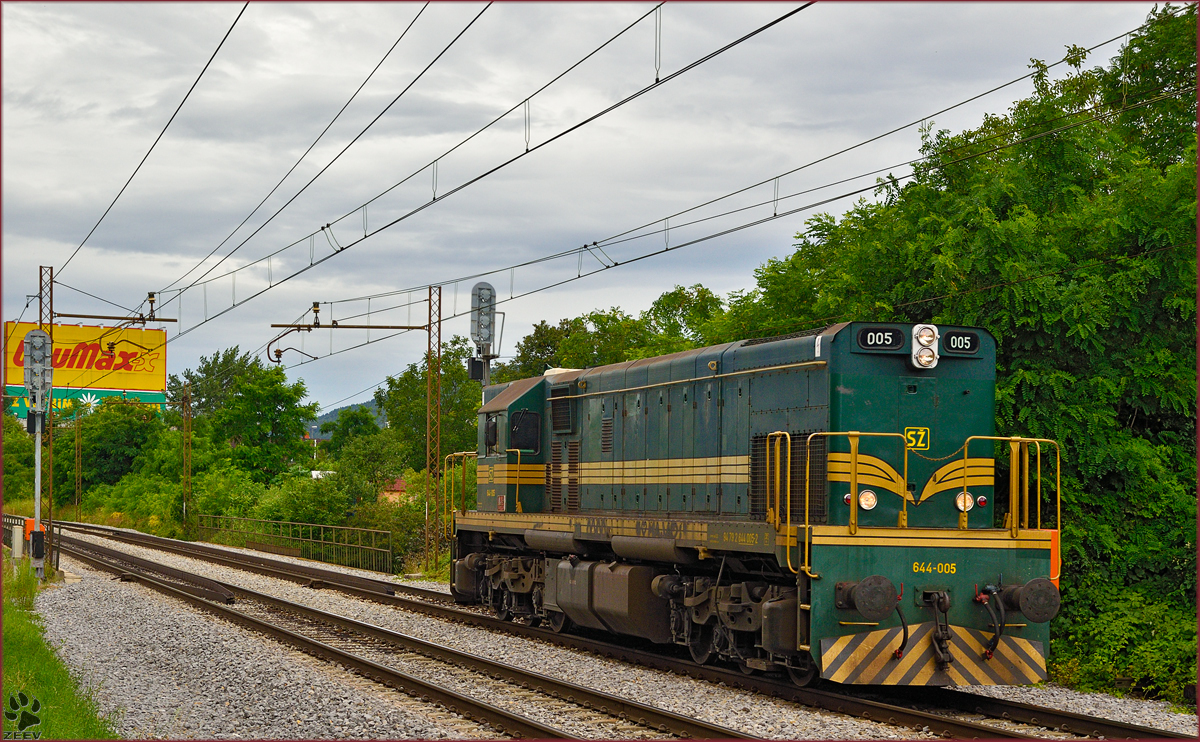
(351, 423)
(674, 322)
(212, 381)
(402, 399)
(264, 421)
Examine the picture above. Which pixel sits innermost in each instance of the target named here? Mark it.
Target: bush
(1153, 643)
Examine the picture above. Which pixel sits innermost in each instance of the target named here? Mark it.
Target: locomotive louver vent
(560, 410)
(573, 475)
(606, 435)
(554, 478)
(818, 499)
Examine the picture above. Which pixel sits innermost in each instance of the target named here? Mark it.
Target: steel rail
(832, 701)
(624, 708)
(1064, 721)
(502, 721)
(201, 587)
(303, 574)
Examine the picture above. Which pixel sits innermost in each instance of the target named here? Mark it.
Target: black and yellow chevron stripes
(868, 658)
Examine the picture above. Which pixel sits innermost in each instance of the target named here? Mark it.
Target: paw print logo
(28, 716)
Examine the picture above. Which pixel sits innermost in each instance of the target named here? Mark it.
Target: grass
(32, 668)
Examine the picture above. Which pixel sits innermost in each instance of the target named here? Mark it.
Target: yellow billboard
(94, 357)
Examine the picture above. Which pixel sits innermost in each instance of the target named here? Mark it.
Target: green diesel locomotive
(821, 503)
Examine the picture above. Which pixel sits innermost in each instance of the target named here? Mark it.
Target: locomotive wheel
(501, 607)
(806, 677)
(700, 643)
(533, 621)
(559, 622)
(745, 668)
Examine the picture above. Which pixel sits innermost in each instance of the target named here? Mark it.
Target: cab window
(526, 431)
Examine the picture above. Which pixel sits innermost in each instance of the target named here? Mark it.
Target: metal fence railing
(362, 548)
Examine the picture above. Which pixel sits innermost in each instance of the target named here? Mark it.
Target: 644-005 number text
(939, 567)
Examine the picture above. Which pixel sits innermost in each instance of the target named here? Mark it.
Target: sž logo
(23, 710)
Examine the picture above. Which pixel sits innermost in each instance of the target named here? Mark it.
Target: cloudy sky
(87, 88)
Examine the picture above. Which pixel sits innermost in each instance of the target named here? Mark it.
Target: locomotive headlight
(964, 501)
(924, 346)
(867, 500)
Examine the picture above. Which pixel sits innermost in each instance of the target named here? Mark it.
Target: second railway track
(429, 671)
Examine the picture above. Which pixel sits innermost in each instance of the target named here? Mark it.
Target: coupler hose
(904, 625)
(999, 624)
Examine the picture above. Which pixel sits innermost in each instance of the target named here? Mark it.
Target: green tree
(264, 421)
(18, 460)
(536, 352)
(351, 423)
(600, 338)
(113, 437)
(213, 380)
(676, 320)
(368, 463)
(403, 402)
(1075, 248)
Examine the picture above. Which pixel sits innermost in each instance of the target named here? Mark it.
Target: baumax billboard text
(138, 359)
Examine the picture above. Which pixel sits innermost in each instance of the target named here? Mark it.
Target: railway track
(412, 664)
(885, 705)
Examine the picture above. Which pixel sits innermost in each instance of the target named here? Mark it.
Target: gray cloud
(86, 88)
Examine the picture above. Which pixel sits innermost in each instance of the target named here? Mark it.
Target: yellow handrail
(853, 435)
(777, 437)
(448, 506)
(517, 494)
(1017, 446)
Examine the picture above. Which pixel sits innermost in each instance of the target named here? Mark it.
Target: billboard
(91, 363)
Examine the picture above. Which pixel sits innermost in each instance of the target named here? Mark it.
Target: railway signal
(39, 379)
(483, 331)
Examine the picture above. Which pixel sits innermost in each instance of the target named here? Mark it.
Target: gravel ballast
(165, 670)
(765, 717)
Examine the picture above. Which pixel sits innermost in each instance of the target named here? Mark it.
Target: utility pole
(46, 324)
(433, 418)
(186, 404)
(78, 465)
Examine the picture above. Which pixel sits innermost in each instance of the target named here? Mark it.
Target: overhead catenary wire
(730, 230)
(822, 322)
(1097, 115)
(337, 156)
(724, 232)
(156, 140)
(616, 238)
(473, 180)
(311, 236)
(433, 163)
(299, 160)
